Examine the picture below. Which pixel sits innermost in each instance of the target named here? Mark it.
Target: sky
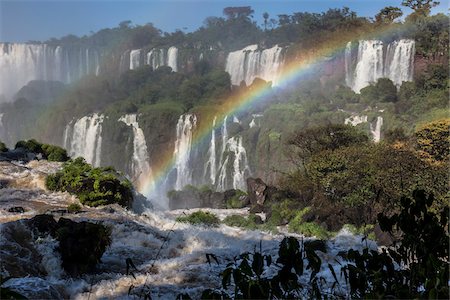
(40, 20)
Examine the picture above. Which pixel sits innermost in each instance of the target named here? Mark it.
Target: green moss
(200, 218)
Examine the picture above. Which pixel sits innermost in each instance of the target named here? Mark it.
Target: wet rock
(16, 210)
(81, 245)
(383, 238)
(35, 288)
(256, 191)
(194, 198)
(43, 224)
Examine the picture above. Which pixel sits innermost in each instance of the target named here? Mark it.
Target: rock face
(193, 198)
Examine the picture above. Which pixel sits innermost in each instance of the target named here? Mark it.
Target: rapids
(170, 256)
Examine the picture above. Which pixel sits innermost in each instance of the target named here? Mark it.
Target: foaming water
(170, 256)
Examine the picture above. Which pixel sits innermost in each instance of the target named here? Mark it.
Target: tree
(420, 7)
(266, 17)
(433, 140)
(238, 12)
(313, 140)
(388, 14)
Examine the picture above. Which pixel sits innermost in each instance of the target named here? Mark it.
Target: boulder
(256, 189)
(81, 245)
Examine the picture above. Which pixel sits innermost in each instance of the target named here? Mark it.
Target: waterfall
(376, 132)
(400, 61)
(370, 64)
(172, 58)
(376, 60)
(348, 64)
(21, 63)
(355, 120)
(140, 162)
(224, 137)
(156, 58)
(239, 169)
(84, 138)
(185, 127)
(249, 63)
(211, 163)
(135, 58)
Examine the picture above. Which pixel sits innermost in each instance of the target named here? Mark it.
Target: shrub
(92, 186)
(240, 221)
(297, 225)
(235, 201)
(200, 218)
(74, 208)
(49, 152)
(3, 147)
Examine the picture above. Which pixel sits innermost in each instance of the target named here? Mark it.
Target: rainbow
(296, 69)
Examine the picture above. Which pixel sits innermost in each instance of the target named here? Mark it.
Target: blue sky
(25, 20)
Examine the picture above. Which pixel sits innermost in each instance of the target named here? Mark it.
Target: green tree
(421, 7)
(388, 15)
(266, 18)
(433, 140)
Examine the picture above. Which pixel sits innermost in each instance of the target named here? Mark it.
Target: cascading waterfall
(172, 58)
(249, 63)
(21, 63)
(140, 162)
(135, 59)
(376, 60)
(370, 64)
(400, 61)
(355, 120)
(376, 130)
(156, 58)
(211, 163)
(84, 138)
(185, 128)
(239, 170)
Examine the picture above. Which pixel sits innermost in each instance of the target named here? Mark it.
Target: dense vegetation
(200, 218)
(92, 186)
(48, 152)
(416, 268)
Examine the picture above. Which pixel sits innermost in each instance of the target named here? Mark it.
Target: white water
(156, 58)
(400, 61)
(250, 63)
(185, 127)
(135, 57)
(84, 138)
(211, 164)
(355, 120)
(170, 256)
(376, 60)
(376, 130)
(235, 152)
(172, 58)
(160, 57)
(21, 63)
(140, 162)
